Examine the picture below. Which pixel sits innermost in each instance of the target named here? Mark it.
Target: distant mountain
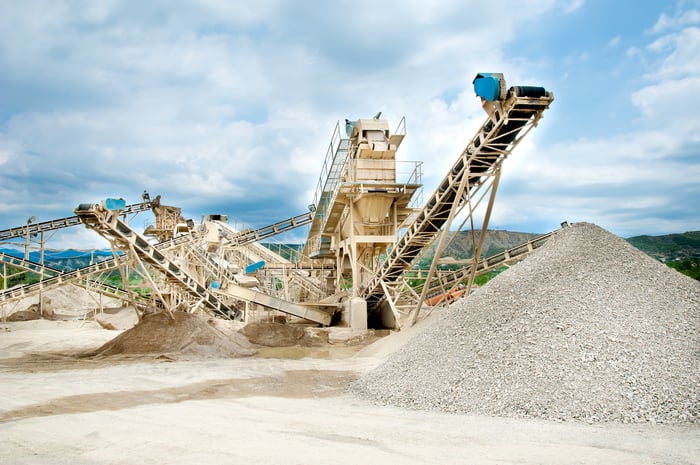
(460, 245)
(63, 260)
(496, 241)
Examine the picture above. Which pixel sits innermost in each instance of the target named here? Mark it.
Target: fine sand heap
(274, 334)
(587, 328)
(67, 302)
(185, 335)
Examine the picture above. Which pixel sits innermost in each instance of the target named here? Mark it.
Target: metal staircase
(326, 190)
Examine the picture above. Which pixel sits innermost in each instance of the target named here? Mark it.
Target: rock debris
(588, 328)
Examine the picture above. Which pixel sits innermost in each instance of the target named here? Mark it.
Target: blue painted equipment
(490, 86)
(254, 267)
(114, 204)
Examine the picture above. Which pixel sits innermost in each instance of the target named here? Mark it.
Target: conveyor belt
(109, 226)
(273, 303)
(60, 223)
(62, 279)
(238, 238)
(28, 265)
(449, 279)
(497, 137)
(81, 274)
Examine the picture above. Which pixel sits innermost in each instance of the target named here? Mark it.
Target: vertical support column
(355, 311)
(484, 228)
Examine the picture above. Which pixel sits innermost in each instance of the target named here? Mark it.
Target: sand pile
(25, 315)
(274, 334)
(117, 318)
(588, 328)
(65, 302)
(185, 334)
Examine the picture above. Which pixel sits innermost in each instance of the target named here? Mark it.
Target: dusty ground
(283, 406)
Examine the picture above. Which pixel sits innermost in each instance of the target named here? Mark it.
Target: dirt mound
(587, 328)
(119, 318)
(24, 315)
(279, 335)
(183, 334)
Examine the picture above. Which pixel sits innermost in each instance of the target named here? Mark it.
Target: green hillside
(679, 251)
(669, 247)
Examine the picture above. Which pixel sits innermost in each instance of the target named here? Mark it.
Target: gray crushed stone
(586, 329)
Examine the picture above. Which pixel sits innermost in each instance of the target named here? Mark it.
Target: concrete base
(355, 314)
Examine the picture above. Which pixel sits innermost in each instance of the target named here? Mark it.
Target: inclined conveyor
(511, 114)
(51, 225)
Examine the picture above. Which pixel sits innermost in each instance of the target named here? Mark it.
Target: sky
(228, 107)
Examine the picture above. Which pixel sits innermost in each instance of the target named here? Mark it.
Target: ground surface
(55, 409)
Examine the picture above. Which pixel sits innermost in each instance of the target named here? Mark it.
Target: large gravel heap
(587, 328)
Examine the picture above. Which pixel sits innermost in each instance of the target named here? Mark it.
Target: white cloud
(682, 18)
(227, 106)
(672, 104)
(8, 149)
(642, 179)
(617, 182)
(632, 52)
(679, 54)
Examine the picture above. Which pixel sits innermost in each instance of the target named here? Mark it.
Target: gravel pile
(588, 328)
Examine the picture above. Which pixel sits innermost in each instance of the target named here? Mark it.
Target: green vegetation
(688, 267)
(16, 276)
(671, 247)
(486, 277)
(679, 251)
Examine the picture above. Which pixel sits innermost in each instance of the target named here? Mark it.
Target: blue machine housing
(489, 86)
(114, 204)
(254, 267)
